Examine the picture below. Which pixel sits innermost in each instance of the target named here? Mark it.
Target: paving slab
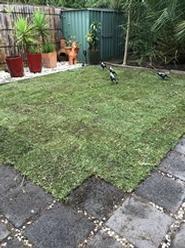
(179, 240)
(180, 147)
(103, 240)
(163, 191)
(4, 232)
(140, 223)
(14, 243)
(174, 164)
(24, 202)
(96, 197)
(9, 179)
(58, 227)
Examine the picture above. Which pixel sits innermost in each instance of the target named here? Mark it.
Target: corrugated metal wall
(76, 23)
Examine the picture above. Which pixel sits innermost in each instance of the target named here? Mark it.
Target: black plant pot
(93, 57)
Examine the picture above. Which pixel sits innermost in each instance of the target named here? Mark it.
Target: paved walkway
(97, 214)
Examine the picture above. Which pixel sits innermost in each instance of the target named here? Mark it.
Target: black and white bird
(113, 78)
(162, 75)
(112, 70)
(103, 65)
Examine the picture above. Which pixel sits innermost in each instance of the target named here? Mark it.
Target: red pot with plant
(15, 66)
(34, 62)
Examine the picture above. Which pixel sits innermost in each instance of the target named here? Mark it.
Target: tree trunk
(127, 34)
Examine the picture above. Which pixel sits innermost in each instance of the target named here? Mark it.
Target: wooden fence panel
(8, 15)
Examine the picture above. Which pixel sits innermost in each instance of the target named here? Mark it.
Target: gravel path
(97, 215)
(61, 66)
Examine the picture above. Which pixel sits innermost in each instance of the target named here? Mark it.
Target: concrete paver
(140, 223)
(58, 227)
(24, 202)
(163, 191)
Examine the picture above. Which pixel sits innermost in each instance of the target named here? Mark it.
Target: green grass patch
(60, 129)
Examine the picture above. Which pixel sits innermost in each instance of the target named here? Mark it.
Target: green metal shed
(77, 22)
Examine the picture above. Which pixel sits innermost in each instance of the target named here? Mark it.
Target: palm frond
(180, 31)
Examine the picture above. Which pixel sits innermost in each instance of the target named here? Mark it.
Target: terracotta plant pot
(15, 66)
(49, 60)
(34, 62)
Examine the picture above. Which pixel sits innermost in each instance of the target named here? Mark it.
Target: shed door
(107, 46)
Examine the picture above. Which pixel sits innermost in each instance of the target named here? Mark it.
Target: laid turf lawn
(60, 129)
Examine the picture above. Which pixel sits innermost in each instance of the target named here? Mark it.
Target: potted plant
(15, 65)
(34, 59)
(26, 39)
(49, 55)
(92, 39)
(22, 33)
(41, 27)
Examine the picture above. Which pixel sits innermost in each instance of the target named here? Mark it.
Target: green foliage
(34, 49)
(60, 129)
(32, 35)
(92, 35)
(48, 47)
(67, 3)
(74, 3)
(28, 32)
(98, 3)
(157, 30)
(40, 25)
(24, 33)
(70, 40)
(116, 4)
(180, 31)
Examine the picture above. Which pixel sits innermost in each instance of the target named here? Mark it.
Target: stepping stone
(174, 164)
(9, 179)
(58, 227)
(180, 147)
(103, 240)
(14, 243)
(140, 223)
(24, 202)
(3, 231)
(179, 240)
(163, 191)
(96, 197)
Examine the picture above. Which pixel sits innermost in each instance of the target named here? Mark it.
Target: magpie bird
(103, 65)
(112, 70)
(113, 78)
(162, 75)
